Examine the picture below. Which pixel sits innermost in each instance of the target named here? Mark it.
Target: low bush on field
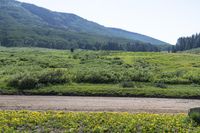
(53, 77)
(194, 78)
(178, 73)
(141, 76)
(112, 75)
(128, 84)
(117, 61)
(176, 77)
(23, 81)
(160, 85)
(173, 81)
(98, 76)
(34, 80)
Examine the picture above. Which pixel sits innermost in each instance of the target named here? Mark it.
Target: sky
(166, 20)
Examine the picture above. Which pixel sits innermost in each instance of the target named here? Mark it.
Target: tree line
(186, 43)
(70, 43)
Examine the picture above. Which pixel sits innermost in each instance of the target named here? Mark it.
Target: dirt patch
(113, 104)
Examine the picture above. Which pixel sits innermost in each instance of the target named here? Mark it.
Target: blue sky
(166, 20)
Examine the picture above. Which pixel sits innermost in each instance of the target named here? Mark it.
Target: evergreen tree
(186, 43)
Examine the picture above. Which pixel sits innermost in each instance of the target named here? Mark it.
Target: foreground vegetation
(27, 121)
(99, 73)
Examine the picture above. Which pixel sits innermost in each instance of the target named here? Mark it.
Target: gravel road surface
(115, 104)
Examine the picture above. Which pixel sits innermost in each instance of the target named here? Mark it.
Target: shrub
(180, 73)
(53, 77)
(142, 63)
(160, 85)
(173, 80)
(141, 76)
(128, 84)
(194, 114)
(98, 76)
(167, 75)
(194, 79)
(34, 80)
(176, 77)
(117, 61)
(23, 82)
(175, 74)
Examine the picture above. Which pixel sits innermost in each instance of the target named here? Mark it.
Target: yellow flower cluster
(74, 122)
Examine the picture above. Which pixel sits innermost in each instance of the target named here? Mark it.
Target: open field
(36, 71)
(114, 104)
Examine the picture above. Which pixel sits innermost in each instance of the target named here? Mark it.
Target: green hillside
(76, 23)
(28, 25)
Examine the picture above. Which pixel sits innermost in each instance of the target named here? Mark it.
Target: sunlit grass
(180, 72)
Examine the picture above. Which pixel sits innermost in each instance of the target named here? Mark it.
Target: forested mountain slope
(25, 24)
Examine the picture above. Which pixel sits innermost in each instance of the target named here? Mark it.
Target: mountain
(23, 24)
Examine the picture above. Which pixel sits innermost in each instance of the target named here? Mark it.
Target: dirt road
(116, 104)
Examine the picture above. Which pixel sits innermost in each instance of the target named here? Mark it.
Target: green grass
(193, 51)
(70, 122)
(100, 73)
(173, 91)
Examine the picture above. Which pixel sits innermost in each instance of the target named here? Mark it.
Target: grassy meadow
(38, 71)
